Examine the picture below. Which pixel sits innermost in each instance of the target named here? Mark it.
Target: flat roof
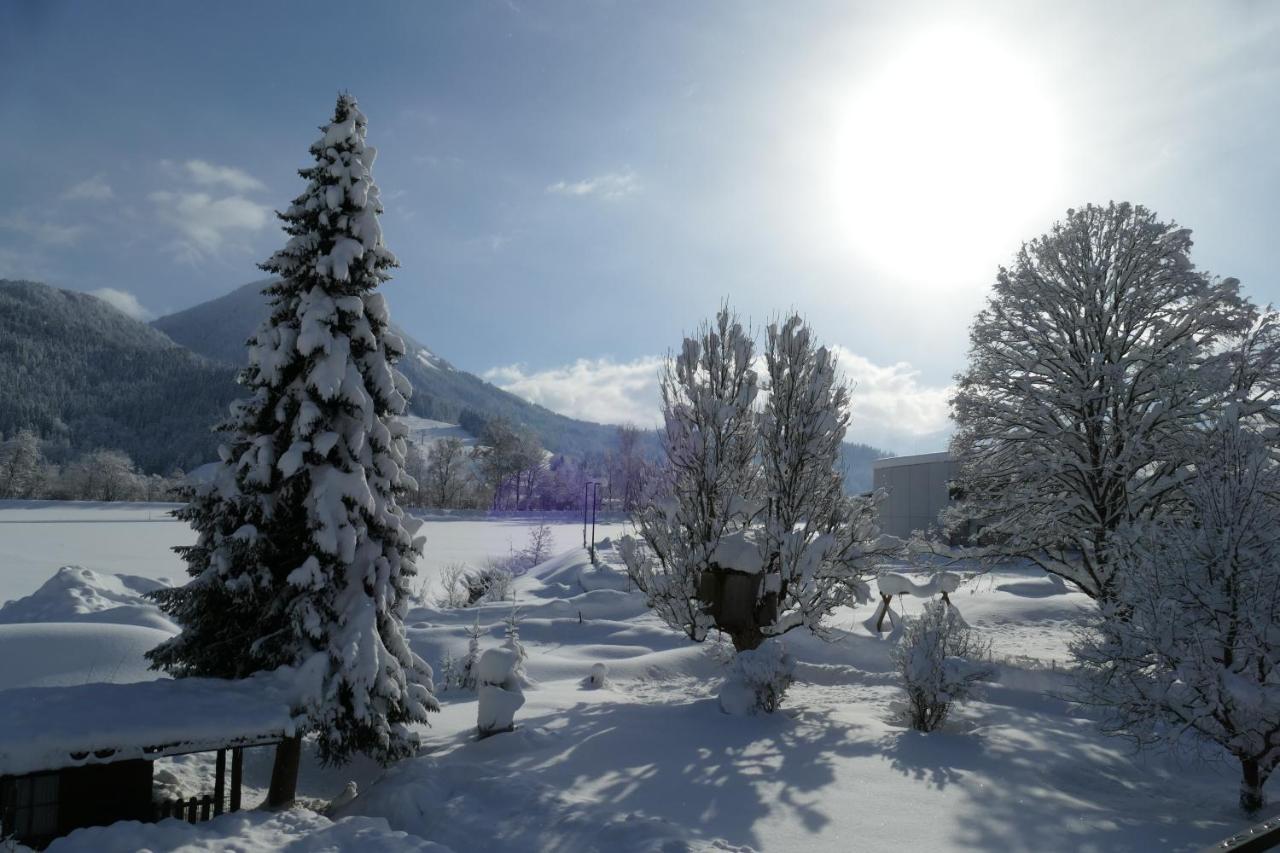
(49, 728)
(918, 459)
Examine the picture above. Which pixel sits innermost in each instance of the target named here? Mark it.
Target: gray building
(917, 488)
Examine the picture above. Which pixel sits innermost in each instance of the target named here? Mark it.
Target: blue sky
(571, 186)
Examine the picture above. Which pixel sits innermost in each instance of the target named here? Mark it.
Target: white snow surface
(294, 831)
(650, 762)
(59, 654)
(43, 728)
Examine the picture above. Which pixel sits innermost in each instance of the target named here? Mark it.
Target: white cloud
(208, 207)
(92, 189)
(600, 390)
(890, 407)
(47, 233)
(211, 174)
(207, 223)
(124, 302)
(611, 186)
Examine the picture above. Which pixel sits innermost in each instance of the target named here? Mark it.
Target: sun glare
(944, 156)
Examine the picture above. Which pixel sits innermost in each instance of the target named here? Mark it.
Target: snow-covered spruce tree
(759, 540)
(1190, 642)
(1102, 349)
(303, 555)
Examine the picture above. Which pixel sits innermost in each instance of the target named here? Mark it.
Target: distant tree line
(511, 471)
(98, 475)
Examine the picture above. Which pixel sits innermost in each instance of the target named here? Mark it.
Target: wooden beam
(237, 773)
(220, 783)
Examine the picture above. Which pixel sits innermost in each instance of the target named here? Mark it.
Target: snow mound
(295, 831)
(76, 594)
(57, 654)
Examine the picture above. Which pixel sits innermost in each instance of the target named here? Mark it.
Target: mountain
(219, 328)
(84, 376)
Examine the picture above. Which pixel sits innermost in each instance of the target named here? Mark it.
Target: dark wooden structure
(36, 808)
(83, 755)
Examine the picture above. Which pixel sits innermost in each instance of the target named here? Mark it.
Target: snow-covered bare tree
(1190, 642)
(816, 542)
(22, 465)
(303, 555)
(708, 402)
(445, 472)
(1102, 349)
(759, 537)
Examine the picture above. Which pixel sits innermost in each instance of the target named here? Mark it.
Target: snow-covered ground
(647, 762)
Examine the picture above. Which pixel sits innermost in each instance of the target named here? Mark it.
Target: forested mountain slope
(83, 375)
(219, 328)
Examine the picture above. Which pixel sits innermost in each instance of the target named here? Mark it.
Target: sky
(571, 187)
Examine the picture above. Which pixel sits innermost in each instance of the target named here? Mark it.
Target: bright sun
(945, 156)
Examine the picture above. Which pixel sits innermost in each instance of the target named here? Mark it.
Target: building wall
(916, 490)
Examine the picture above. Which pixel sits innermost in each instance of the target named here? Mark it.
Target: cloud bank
(124, 302)
(890, 408)
(600, 390)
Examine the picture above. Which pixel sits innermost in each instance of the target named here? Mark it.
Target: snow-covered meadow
(647, 762)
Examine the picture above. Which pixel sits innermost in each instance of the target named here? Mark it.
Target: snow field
(649, 762)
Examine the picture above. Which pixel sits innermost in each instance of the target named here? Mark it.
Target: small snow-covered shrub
(467, 671)
(500, 692)
(537, 550)
(462, 586)
(513, 644)
(454, 589)
(758, 679)
(491, 583)
(940, 659)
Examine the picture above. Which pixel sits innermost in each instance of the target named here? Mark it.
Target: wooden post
(192, 805)
(237, 773)
(883, 611)
(220, 783)
(284, 773)
(206, 805)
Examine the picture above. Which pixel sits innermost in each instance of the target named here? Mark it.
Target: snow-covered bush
(454, 591)
(758, 679)
(492, 582)
(1193, 639)
(757, 537)
(501, 693)
(463, 586)
(940, 659)
(536, 550)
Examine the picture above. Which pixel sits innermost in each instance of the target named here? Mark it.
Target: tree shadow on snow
(695, 766)
(1050, 783)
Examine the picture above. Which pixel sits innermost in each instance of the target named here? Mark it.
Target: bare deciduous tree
(1101, 350)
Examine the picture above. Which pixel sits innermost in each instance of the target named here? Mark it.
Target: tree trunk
(746, 639)
(1251, 799)
(284, 773)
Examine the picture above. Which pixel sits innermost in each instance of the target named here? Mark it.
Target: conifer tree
(303, 556)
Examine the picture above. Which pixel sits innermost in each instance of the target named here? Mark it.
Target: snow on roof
(918, 459)
(47, 728)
